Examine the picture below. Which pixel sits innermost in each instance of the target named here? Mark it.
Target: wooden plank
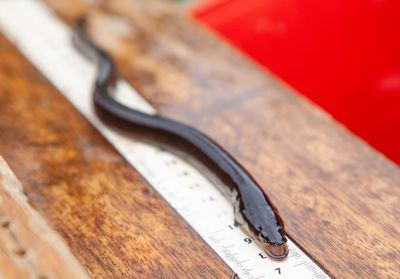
(116, 225)
(338, 196)
(29, 247)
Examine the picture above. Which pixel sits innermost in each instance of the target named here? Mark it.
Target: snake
(253, 210)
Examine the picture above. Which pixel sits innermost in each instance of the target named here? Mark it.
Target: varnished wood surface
(29, 248)
(339, 197)
(116, 225)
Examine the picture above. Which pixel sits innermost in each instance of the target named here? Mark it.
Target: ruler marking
(301, 263)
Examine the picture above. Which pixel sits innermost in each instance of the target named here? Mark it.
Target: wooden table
(339, 197)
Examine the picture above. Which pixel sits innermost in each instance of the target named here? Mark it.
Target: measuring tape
(46, 41)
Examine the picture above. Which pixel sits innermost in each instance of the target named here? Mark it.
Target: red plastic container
(343, 54)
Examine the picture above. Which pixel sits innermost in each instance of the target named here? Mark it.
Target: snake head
(262, 223)
(275, 250)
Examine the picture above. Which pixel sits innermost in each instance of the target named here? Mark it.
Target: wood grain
(338, 196)
(29, 247)
(116, 225)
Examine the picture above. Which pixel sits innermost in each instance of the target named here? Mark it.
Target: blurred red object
(343, 54)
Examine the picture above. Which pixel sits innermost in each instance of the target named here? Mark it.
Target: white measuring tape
(46, 42)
